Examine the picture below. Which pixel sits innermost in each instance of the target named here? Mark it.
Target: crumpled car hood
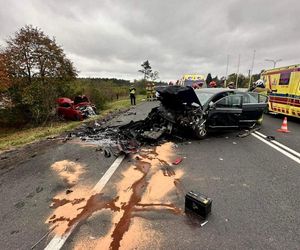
(176, 96)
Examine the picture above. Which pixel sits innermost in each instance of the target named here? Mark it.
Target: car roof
(213, 90)
(218, 90)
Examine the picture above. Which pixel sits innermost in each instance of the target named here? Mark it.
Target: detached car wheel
(200, 132)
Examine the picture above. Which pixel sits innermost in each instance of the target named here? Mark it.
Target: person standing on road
(132, 91)
(153, 92)
(148, 91)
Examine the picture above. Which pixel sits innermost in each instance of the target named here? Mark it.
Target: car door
(253, 107)
(226, 112)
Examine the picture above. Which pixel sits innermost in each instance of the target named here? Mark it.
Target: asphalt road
(254, 187)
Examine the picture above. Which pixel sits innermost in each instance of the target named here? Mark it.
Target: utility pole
(226, 75)
(237, 73)
(252, 66)
(273, 61)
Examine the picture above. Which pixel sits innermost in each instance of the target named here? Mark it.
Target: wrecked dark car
(210, 108)
(78, 109)
(183, 113)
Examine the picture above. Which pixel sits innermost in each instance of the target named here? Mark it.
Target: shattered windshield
(204, 97)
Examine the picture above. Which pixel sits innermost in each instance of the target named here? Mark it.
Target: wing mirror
(212, 105)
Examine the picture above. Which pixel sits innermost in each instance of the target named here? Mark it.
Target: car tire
(200, 132)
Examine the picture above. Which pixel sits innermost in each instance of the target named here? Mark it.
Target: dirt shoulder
(10, 158)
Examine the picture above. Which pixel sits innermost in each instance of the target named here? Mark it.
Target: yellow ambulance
(192, 79)
(284, 86)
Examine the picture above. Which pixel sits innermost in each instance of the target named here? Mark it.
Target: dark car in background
(78, 109)
(210, 108)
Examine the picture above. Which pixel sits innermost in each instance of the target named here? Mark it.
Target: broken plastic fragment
(107, 153)
(204, 223)
(270, 138)
(177, 161)
(68, 191)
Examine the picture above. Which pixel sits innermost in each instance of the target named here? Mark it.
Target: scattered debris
(30, 195)
(107, 152)
(270, 138)
(39, 189)
(68, 191)
(20, 204)
(33, 155)
(130, 113)
(204, 223)
(177, 161)
(51, 137)
(247, 132)
(68, 137)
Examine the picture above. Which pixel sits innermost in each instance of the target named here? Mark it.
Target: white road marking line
(105, 178)
(281, 145)
(59, 240)
(277, 148)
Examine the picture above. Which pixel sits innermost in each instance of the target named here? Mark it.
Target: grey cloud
(111, 38)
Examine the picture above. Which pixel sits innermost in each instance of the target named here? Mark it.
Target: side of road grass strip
(13, 137)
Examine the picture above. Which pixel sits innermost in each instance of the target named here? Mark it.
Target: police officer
(132, 91)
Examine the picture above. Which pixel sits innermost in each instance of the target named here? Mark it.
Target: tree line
(34, 71)
(243, 81)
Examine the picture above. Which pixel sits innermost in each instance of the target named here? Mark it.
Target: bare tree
(146, 70)
(154, 75)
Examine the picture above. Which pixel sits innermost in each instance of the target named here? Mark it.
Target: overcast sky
(111, 38)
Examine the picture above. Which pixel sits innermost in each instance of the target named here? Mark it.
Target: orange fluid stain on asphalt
(77, 207)
(69, 171)
(144, 188)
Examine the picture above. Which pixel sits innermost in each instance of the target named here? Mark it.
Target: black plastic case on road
(198, 204)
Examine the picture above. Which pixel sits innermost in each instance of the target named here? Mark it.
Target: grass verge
(17, 137)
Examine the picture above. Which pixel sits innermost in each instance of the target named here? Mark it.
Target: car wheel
(200, 132)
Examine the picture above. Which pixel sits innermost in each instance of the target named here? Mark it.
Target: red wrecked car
(78, 109)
